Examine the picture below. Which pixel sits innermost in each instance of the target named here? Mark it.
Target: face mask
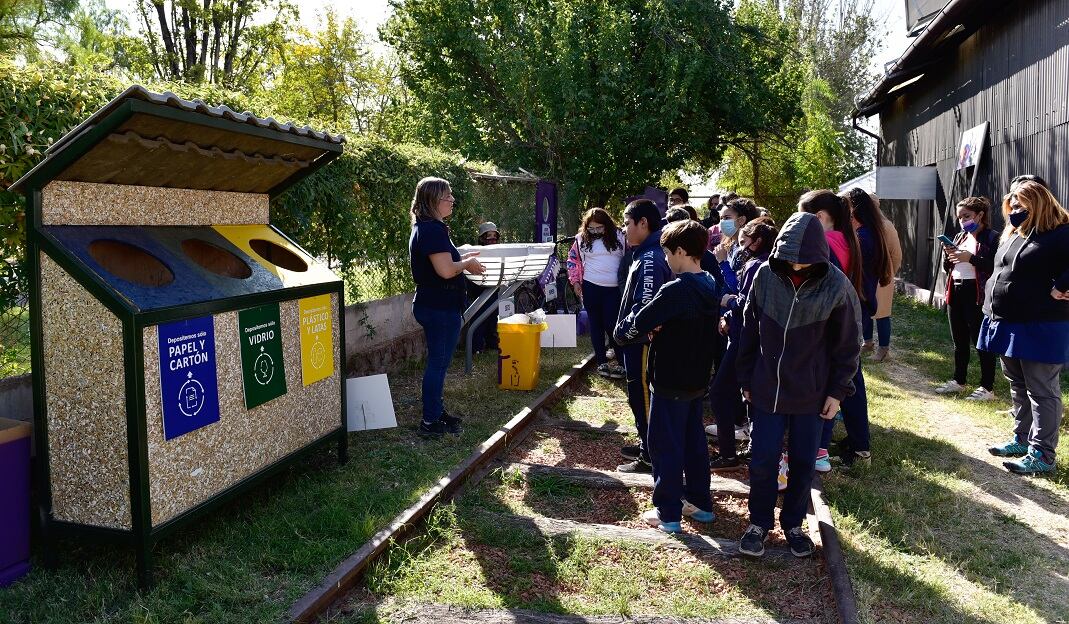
(1019, 217)
(969, 226)
(727, 227)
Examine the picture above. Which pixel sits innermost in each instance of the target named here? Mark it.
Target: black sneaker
(637, 466)
(724, 463)
(753, 539)
(631, 452)
(431, 431)
(451, 421)
(801, 545)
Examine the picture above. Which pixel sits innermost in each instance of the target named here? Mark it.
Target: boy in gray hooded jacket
(799, 350)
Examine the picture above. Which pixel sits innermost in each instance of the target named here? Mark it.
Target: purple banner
(545, 211)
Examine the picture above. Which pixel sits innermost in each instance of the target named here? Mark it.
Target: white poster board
(368, 403)
(561, 332)
(972, 146)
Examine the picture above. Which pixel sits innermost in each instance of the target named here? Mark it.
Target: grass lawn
(936, 530)
(252, 559)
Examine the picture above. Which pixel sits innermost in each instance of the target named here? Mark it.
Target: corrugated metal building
(1005, 63)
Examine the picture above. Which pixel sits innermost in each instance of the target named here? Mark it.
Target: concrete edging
(842, 588)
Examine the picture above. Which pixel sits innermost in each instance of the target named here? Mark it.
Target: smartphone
(946, 240)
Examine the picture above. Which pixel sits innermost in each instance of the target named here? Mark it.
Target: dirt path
(1032, 501)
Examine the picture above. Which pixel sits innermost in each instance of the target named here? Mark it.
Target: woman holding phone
(969, 260)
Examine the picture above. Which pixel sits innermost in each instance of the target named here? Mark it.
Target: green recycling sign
(262, 371)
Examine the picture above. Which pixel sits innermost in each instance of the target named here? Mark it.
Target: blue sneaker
(653, 519)
(823, 463)
(1013, 448)
(1032, 463)
(697, 514)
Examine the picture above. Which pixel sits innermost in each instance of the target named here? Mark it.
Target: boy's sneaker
(741, 435)
(653, 519)
(981, 394)
(753, 539)
(724, 463)
(745, 453)
(451, 421)
(823, 463)
(696, 513)
(801, 545)
(950, 387)
(637, 466)
(856, 458)
(1032, 463)
(432, 431)
(631, 451)
(1013, 448)
(781, 480)
(616, 371)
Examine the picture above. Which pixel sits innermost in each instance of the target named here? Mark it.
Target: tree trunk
(168, 42)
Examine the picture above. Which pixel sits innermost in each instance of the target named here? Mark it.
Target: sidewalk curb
(842, 588)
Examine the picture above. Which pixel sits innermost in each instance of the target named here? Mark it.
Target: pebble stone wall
(85, 395)
(88, 203)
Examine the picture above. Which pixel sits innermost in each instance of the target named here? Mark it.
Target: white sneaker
(981, 394)
(741, 434)
(950, 387)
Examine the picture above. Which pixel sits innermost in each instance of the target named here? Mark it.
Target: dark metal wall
(1012, 73)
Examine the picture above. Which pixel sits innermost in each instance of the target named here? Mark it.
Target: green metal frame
(143, 535)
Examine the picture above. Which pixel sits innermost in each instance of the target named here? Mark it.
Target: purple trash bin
(14, 500)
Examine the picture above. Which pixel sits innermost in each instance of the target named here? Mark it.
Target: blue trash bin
(14, 500)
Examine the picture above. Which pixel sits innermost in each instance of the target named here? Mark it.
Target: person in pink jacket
(593, 270)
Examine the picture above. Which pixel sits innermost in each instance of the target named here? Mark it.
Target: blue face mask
(969, 226)
(727, 227)
(1019, 217)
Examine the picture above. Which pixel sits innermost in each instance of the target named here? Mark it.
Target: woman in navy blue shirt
(1026, 322)
(438, 306)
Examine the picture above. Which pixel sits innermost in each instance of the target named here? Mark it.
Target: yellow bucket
(521, 353)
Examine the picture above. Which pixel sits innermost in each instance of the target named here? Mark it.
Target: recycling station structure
(183, 348)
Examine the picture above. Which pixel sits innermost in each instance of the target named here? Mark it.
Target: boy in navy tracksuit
(682, 318)
(798, 352)
(648, 271)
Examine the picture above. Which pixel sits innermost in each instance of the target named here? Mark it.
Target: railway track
(537, 447)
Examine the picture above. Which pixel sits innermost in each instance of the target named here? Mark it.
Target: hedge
(354, 212)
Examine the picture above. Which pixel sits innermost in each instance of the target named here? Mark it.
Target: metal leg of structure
(507, 292)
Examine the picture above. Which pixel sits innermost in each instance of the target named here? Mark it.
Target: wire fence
(15, 341)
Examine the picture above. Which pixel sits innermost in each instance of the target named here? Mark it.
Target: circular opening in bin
(215, 259)
(130, 263)
(278, 255)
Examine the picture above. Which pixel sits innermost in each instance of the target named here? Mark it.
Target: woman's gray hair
(429, 192)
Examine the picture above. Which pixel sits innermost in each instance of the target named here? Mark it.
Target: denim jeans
(678, 449)
(883, 330)
(726, 401)
(441, 328)
(602, 304)
(766, 439)
(638, 393)
(855, 410)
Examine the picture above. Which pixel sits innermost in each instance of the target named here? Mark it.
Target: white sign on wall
(972, 146)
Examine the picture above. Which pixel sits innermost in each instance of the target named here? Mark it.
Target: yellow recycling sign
(317, 354)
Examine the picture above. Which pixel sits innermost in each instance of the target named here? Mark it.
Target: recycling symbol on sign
(263, 369)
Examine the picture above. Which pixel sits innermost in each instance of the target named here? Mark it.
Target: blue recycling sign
(188, 383)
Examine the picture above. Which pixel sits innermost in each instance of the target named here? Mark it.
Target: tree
(832, 47)
(606, 94)
(99, 38)
(333, 76)
(22, 22)
(213, 41)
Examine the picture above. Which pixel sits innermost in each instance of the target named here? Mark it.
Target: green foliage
(355, 212)
(603, 94)
(22, 23)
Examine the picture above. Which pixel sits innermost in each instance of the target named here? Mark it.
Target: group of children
(767, 322)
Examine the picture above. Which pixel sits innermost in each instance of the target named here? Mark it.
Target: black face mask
(805, 273)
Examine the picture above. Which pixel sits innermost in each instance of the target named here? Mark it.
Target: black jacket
(680, 358)
(1026, 269)
(648, 271)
